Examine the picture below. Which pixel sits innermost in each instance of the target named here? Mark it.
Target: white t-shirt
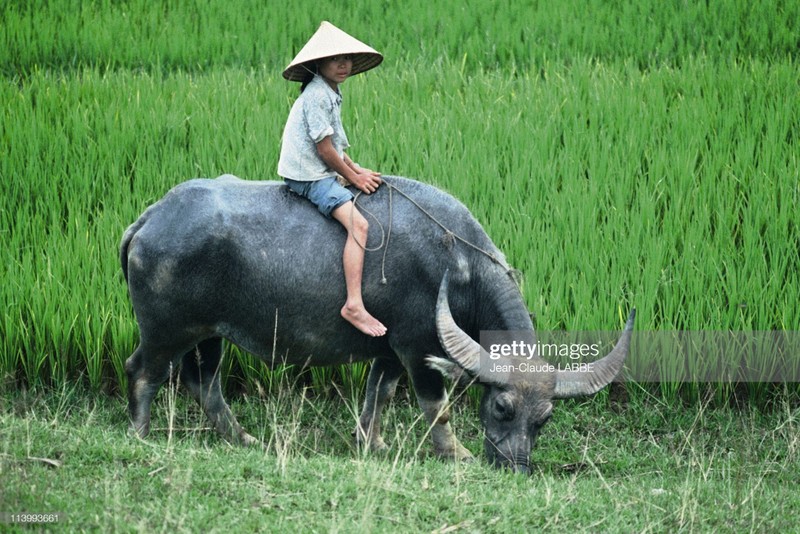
(315, 115)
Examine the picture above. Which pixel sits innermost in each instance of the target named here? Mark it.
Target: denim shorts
(326, 194)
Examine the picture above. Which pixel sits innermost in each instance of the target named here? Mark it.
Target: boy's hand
(366, 180)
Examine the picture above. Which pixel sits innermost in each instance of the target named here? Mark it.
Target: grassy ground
(641, 467)
(615, 163)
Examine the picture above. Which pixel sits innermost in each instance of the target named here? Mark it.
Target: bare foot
(361, 319)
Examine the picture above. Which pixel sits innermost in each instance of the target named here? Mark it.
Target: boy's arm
(364, 179)
(356, 167)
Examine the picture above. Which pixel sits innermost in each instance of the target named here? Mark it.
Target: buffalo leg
(147, 369)
(200, 374)
(381, 384)
(432, 397)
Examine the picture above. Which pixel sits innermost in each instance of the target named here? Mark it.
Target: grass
(643, 468)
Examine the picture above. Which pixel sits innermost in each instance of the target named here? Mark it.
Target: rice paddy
(655, 168)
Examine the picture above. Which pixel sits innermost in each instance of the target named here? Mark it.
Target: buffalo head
(516, 405)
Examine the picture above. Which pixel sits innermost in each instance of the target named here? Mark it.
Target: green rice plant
(352, 377)
(513, 36)
(654, 168)
(321, 379)
(650, 202)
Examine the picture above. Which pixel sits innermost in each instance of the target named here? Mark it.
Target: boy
(312, 151)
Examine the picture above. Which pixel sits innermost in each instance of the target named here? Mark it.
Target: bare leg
(353, 259)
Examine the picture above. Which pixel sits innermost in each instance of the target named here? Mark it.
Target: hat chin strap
(309, 70)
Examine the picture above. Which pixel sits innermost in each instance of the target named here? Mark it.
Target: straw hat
(331, 41)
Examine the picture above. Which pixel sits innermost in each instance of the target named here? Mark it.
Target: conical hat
(331, 41)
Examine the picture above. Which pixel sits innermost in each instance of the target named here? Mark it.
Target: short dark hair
(311, 69)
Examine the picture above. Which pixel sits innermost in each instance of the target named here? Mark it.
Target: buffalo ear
(450, 369)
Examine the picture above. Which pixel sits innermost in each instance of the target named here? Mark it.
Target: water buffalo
(253, 263)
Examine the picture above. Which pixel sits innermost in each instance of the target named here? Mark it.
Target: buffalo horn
(576, 384)
(461, 348)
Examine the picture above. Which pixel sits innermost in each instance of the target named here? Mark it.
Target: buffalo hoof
(458, 453)
(377, 446)
(374, 445)
(246, 440)
(371, 443)
(138, 432)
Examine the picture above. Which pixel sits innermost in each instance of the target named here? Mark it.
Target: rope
(449, 234)
(384, 234)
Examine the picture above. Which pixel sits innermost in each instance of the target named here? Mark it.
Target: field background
(621, 153)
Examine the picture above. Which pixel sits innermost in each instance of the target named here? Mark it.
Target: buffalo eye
(503, 409)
